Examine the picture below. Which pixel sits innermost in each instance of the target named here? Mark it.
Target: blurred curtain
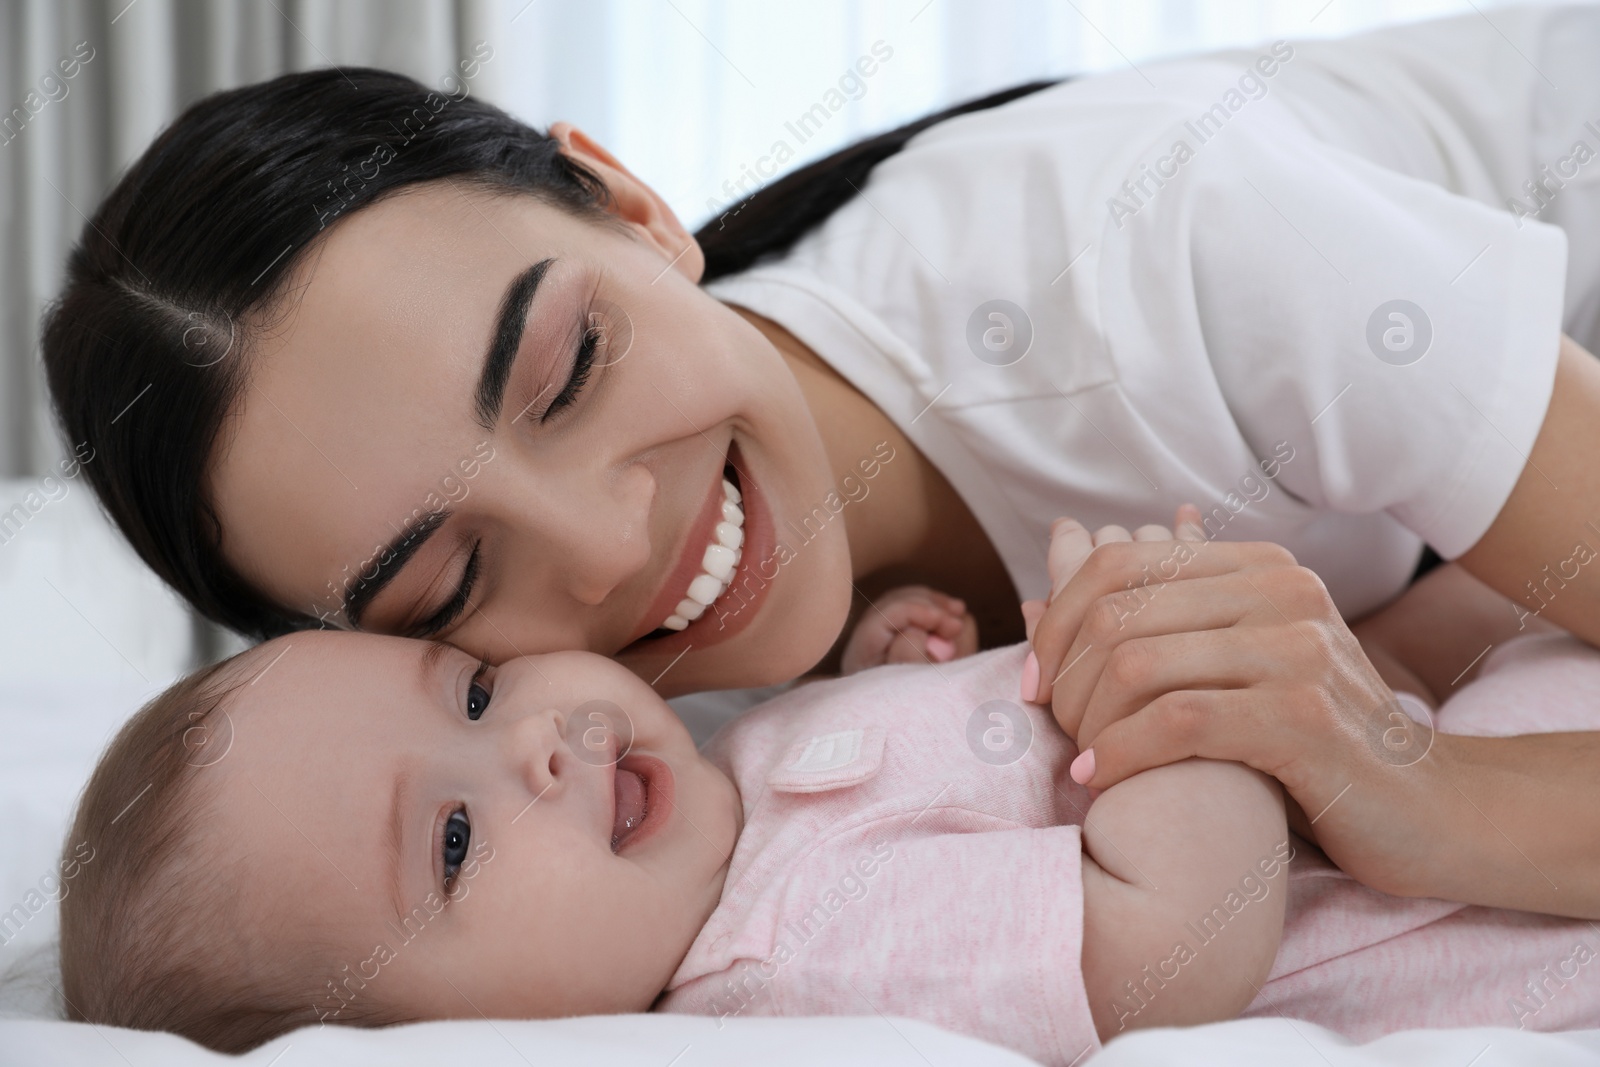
(133, 67)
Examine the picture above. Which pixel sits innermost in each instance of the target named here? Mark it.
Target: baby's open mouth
(633, 799)
(642, 787)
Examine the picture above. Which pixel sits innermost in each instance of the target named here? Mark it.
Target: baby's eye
(478, 694)
(477, 701)
(457, 835)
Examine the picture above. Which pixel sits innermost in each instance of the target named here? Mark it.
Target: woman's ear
(634, 202)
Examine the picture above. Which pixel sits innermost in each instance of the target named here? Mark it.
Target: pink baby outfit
(912, 847)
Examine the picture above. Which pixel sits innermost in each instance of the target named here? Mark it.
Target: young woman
(355, 353)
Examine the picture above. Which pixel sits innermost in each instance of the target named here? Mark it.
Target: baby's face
(466, 842)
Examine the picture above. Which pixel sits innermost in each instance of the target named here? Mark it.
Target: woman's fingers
(1178, 726)
(1032, 612)
(1117, 660)
(1070, 545)
(1112, 583)
(1153, 532)
(1188, 524)
(1142, 670)
(1107, 534)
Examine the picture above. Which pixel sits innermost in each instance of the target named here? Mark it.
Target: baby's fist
(911, 624)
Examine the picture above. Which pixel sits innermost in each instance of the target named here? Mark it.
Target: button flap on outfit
(829, 761)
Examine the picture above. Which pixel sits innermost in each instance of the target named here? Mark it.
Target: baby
(347, 828)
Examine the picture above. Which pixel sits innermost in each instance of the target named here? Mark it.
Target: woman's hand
(1070, 545)
(1150, 652)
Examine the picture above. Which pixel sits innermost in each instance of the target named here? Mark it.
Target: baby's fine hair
(150, 930)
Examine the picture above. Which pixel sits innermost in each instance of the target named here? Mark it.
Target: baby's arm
(1183, 894)
(1183, 873)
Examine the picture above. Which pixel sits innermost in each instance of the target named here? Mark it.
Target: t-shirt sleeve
(1401, 338)
(980, 933)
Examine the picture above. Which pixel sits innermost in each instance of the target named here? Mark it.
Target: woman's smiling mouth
(714, 589)
(716, 566)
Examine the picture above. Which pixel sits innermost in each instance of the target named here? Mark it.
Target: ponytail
(770, 220)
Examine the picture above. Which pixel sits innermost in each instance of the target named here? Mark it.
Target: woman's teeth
(718, 563)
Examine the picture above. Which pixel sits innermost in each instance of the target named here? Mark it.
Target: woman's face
(428, 446)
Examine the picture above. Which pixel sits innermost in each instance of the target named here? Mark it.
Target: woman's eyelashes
(452, 609)
(593, 334)
(453, 846)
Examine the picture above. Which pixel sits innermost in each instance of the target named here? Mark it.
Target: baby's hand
(1071, 543)
(911, 624)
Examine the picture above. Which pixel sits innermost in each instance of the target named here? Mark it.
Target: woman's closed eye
(445, 616)
(593, 332)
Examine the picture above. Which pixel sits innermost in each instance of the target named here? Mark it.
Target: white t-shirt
(1319, 319)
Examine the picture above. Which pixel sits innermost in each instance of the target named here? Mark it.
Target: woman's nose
(606, 544)
(595, 522)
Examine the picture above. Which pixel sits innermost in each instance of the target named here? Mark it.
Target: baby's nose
(536, 748)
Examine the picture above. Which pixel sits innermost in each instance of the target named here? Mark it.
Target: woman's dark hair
(189, 255)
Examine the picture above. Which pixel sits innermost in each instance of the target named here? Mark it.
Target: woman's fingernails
(1030, 678)
(940, 649)
(1082, 768)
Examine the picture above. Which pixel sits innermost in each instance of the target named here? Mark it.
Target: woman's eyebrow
(509, 324)
(392, 557)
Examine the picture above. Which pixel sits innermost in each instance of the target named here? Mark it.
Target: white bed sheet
(692, 1041)
(89, 634)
